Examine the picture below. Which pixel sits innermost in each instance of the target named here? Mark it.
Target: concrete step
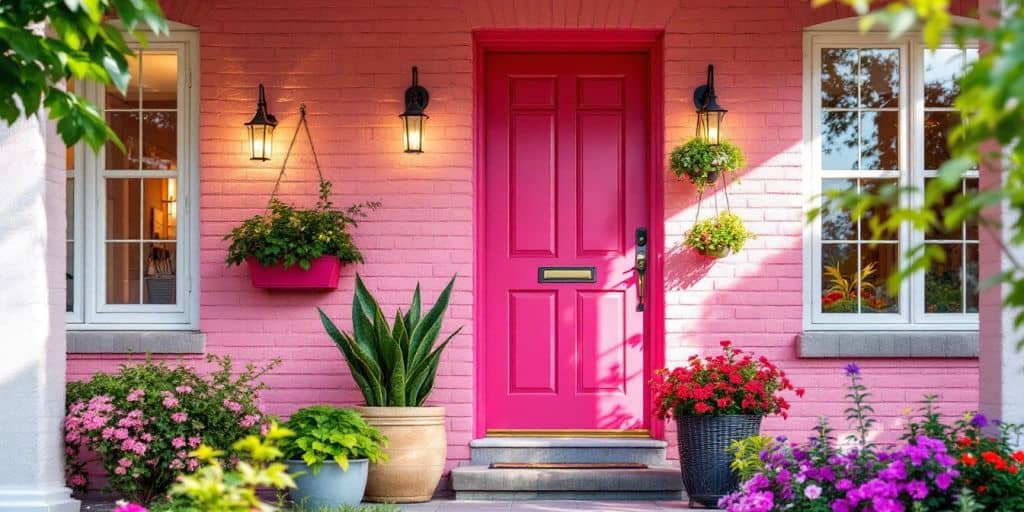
(489, 450)
(480, 482)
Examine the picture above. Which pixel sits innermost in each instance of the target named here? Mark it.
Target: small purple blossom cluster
(918, 474)
(144, 422)
(813, 477)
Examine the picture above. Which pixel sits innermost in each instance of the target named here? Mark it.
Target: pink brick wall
(349, 62)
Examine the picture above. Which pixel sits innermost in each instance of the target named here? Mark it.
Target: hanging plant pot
(715, 254)
(323, 274)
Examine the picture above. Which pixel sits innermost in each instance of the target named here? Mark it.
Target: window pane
(943, 284)
(878, 263)
(838, 77)
(70, 276)
(161, 272)
(160, 140)
(123, 271)
(159, 80)
(126, 126)
(971, 185)
(886, 189)
(880, 78)
(942, 69)
(837, 224)
(69, 208)
(972, 278)
(839, 141)
(160, 209)
(124, 202)
(114, 99)
(878, 138)
(838, 281)
(937, 126)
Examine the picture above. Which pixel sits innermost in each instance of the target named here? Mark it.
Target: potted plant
(718, 236)
(331, 453)
(702, 162)
(716, 401)
(297, 248)
(394, 365)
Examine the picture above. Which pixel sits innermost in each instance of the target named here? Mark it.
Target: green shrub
(393, 365)
(295, 236)
(719, 235)
(324, 433)
(143, 421)
(746, 453)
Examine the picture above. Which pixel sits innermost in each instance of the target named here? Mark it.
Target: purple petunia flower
(917, 490)
(979, 420)
(852, 369)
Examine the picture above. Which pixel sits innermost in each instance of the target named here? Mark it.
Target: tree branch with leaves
(44, 43)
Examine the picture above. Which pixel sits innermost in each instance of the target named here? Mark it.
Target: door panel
(566, 185)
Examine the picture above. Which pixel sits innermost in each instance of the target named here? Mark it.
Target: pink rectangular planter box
(323, 274)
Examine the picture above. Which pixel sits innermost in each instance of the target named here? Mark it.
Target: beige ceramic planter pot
(417, 449)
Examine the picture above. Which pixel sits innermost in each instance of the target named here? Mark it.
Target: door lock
(641, 266)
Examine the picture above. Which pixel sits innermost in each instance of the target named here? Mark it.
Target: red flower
(968, 460)
(1019, 456)
(754, 386)
(724, 402)
(725, 343)
(964, 442)
(702, 408)
(800, 392)
(982, 489)
(994, 459)
(1013, 470)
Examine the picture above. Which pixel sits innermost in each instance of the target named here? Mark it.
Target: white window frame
(90, 309)
(911, 164)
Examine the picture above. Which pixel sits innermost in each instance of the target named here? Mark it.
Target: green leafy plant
(718, 236)
(942, 292)
(746, 456)
(83, 44)
(703, 163)
(324, 433)
(394, 365)
(141, 421)
(222, 486)
(295, 236)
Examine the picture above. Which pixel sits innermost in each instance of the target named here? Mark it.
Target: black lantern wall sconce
(709, 112)
(261, 130)
(416, 99)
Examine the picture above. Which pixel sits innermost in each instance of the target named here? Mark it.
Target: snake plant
(393, 364)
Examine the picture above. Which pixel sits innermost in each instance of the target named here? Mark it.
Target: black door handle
(641, 266)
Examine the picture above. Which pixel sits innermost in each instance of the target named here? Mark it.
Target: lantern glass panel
(413, 132)
(261, 137)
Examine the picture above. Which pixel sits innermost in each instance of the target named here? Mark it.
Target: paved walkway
(100, 505)
(545, 506)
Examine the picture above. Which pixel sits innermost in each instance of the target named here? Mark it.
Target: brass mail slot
(566, 275)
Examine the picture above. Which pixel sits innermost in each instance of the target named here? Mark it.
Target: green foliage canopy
(45, 42)
(324, 433)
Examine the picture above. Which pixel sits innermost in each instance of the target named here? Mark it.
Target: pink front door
(566, 188)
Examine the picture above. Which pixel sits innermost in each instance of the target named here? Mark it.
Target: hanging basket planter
(287, 233)
(323, 274)
(718, 236)
(703, 163)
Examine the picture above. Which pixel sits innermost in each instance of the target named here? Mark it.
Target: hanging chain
(724, 181)
(288, 154)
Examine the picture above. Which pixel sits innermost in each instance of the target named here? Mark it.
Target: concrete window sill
(867, 344)
(136, 342)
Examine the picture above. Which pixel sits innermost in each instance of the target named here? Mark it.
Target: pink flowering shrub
(143, 422)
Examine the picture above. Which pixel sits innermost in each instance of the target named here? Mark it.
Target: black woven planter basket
(704, 457)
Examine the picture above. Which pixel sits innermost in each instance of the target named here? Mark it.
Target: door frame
(648, 42)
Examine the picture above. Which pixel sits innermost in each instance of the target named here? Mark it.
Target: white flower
(812, 492)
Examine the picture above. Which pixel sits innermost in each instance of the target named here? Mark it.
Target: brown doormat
(569, 465)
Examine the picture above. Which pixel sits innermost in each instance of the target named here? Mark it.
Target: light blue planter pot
(330, 487)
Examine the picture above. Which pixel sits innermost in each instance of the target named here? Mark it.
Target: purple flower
(852, 369)
(129, 507)
(943, 481)
(917, 490)
(812, 492)
(844, 484)
(979, 420)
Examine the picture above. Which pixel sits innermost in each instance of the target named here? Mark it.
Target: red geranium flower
(968, 460)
